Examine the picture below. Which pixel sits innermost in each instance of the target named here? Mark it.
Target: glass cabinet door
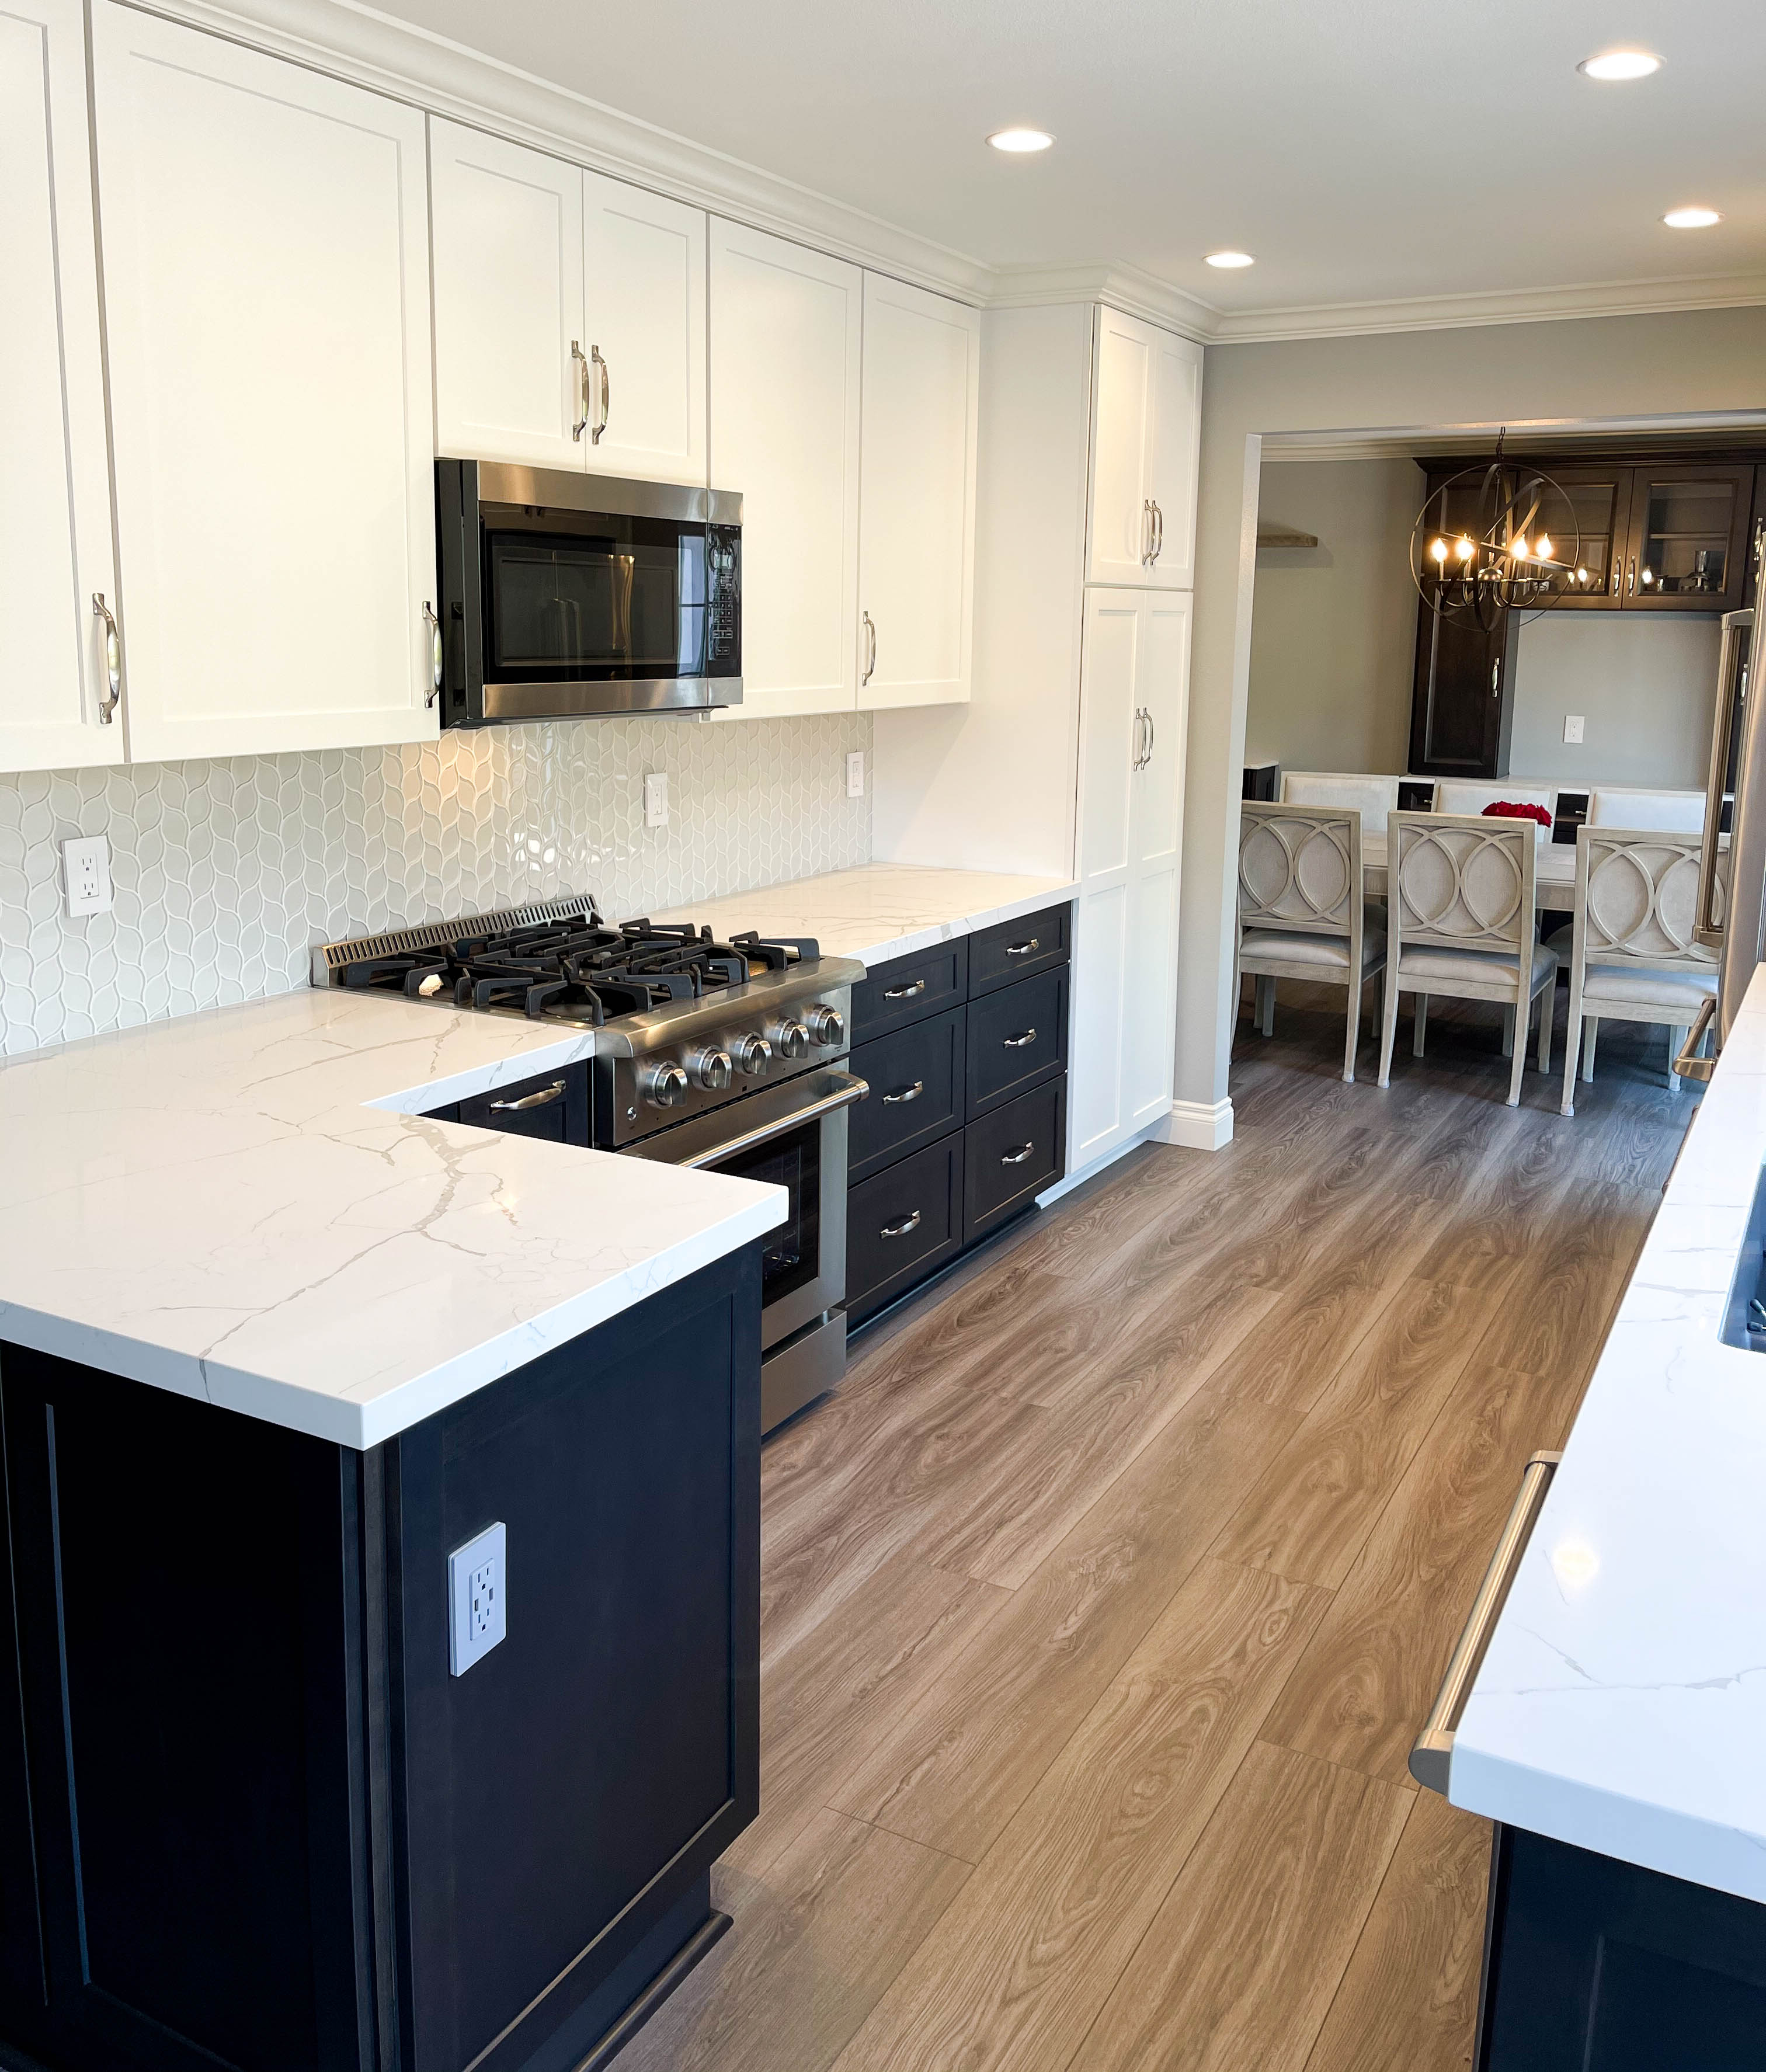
(1585, 525)
(1688, 534)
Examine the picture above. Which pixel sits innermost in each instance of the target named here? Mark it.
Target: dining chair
(1460, 903)
(1301, 911)
(1663, 812)
(1372, 797)
(1630, 949)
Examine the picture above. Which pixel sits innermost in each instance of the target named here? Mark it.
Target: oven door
(566, 595)
(792, 1136)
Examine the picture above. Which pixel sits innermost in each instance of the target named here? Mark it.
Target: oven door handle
(849, 1090)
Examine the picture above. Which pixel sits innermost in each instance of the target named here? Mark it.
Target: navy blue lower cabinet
(1592, 1965)
(248, 1819)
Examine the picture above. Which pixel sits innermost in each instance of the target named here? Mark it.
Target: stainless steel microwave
(565, 595)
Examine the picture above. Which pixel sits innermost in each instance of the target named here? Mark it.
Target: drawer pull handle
(1021, 1042)
(900, 1229)
(1432, 1758)
(903, 1095)
(903, 992)
(1022, 949)
(544, 1099)
(1018, 1157)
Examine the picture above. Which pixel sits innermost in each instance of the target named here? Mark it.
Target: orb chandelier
(1482, 544)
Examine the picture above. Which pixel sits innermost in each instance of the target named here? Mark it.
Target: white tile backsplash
(226, 872)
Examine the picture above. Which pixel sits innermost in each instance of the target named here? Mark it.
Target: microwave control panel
(724, 630)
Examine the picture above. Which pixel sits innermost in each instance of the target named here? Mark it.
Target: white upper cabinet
(506, 234)
(55, 514)
(787, 329)
(1133, 724)
(569, 314)
(643, 330)
(1146, 428)
(266, 281)
(922, 397)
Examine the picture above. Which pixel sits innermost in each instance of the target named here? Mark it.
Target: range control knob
(826, 1024)
(709, 1070)
(664, 1085)
(790, 1038)
(752, 1054)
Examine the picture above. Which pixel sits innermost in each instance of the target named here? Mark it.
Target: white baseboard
(1200, 1125)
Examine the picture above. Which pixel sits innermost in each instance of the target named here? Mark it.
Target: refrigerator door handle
(1432, 1756)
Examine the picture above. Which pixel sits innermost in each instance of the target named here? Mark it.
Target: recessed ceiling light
(1021, 140)
(1691, 218)
(1620, 64)
(1231, 259)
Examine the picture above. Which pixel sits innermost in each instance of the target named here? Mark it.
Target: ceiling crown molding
(1598, 298)
(359, 43)
(354, 42)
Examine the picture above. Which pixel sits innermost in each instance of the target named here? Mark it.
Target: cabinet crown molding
(358, 43)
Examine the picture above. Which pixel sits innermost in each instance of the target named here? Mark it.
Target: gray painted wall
(1646, 687)
(1333, 633)
(1597, 372)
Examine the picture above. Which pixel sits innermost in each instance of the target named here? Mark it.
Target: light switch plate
(85, 866)
(1572, 726)
(656, 800)
(477, 1598)
(855, 774)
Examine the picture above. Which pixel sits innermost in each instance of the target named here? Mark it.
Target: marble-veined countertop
(881, 910)
(1621, 1704)
(248, 1206)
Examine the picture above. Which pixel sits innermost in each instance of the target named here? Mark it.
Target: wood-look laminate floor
(1101, 1603)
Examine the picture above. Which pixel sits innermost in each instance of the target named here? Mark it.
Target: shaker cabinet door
(55, 515)
(1149, 1036)
(787, 329)
(507, 233)
(266, 276)
(643, 330)
(922, 400)
(1120, 536)
(1176, 443)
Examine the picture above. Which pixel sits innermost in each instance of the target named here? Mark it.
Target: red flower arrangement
(1505, 809)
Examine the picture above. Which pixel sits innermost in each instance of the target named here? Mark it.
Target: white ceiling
(1365, 150)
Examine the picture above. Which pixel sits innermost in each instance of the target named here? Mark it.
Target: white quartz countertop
(248, 1206)
(1621, 1706)
(882, 911)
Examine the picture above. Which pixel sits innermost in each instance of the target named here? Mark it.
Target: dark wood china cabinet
(1672, 533)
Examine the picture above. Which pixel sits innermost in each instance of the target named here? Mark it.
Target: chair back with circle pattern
(1299, 867)
(1637, 898)
(1460, 881)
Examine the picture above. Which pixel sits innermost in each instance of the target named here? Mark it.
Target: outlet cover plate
(85, 865)
(1572, 726)
(855, 774)
(656, 800)
(477, 1598)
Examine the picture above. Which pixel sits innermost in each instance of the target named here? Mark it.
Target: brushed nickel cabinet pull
(107, 709)
(543, 1098)
(579, 368)
(1018, 1157)
(903, 992)
(900, 1229)
(1021, 1041)
(870, 644)
(1022, 949)
(600, 425)
(903, 1095)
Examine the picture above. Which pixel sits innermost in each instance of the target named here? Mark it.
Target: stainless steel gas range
(729, 1055)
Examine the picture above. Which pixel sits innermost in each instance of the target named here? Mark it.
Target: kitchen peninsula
(272, 1344)
(1614, 1727)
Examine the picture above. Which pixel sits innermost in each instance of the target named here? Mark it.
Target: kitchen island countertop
(249, 1206)
(1621, 1703)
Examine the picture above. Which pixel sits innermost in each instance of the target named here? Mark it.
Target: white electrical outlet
(855, 774)
(656, 800)
(1572, 726)
(85, 865)
(478, 1599)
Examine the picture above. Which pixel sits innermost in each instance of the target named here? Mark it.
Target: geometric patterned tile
(226, 873)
